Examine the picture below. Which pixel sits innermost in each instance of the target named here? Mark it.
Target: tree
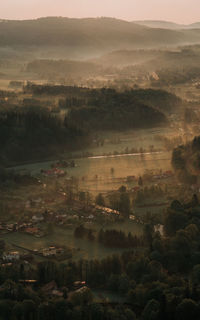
(2, 247)
(112, 170)
(82, 196)
(100, 200)
(97, 312)
(90, 235)
(151, 310)
(187, 309)
(148, 235)
(122, 189)
(6, 309)
(196, 275)
(29, 309)
(18, 311)
(82, 296)
(174, 220)
(123, 284)
(50, 229)
(129, 314)
(140, 182)
(124, 204)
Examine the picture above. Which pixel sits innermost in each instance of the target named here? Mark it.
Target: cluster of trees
(118, 239)
(110, 238)
(159, 99)
(169, 143)
(148, 193)
(82, 232)
(35, 133)
(54, 90)
(177, 75)
(129, 109)
(120, 201)
(186, 161)
(10, 177)
(117, 111)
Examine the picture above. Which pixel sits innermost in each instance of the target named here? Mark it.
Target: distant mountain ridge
(93, 36)
(161, 24)
(70, 31)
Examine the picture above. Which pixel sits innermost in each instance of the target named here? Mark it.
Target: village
(65, 208)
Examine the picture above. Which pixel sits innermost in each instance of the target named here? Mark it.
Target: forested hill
(186, 161)
(35, 134)
(99, 33)
(107, 109)
(81, 96)
(45, 68)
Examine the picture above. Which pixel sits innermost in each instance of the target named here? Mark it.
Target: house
(32, 231)
(28, 282)
(51, 251)
(57, 293)
(79, 284)
(91, 216)
(49, 287)
(11, 256)
(132, 217)
(135, 189)
(37, 218)
(10, 227)
(28, 204)
(55, 172)
(130, 178)
(4, 265)
(159, 228)
(108, 211)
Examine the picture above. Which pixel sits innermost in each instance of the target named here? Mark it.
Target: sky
(181, 11)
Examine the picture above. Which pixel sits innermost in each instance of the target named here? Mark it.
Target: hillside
(171, 66)
(159, 24)
(186, 161)
(166, 24)
(122, 58)
(45, 68)
(107, 109)
(95, 35)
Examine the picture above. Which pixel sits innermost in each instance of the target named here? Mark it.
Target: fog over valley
(100, 160)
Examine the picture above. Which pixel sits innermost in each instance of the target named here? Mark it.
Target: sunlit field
(94, 172)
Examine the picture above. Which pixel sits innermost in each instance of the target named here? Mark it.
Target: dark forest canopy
(186, 161)
(158, 99)
(35, 133)
(105, 109)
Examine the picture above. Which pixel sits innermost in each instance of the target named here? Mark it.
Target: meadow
(95, 174)
(82, 248)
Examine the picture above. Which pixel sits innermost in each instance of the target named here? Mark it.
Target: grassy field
(82, 248)
(94, 174)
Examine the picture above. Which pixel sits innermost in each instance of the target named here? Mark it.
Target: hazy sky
(182, 11)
